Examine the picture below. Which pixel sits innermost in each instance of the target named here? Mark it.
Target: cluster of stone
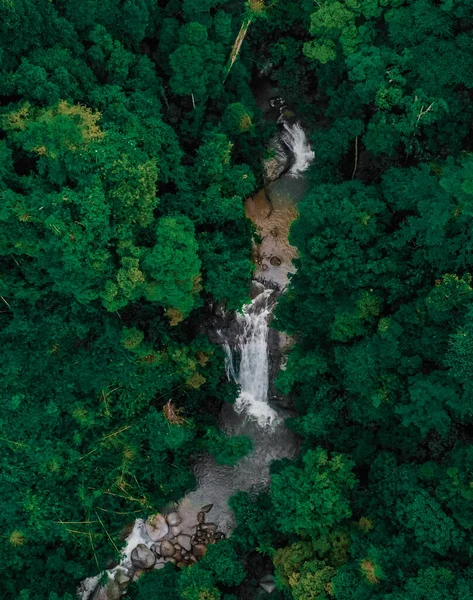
(172, 544)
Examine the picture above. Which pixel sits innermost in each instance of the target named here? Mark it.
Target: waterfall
(296, 141)
(248, 363)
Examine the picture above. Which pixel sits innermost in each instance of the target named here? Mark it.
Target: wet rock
(167, 549)
(176, 530)
(156, 527)
(199, 550)
(156, 548)
(208, 507)
(200, 517)
(278, 162)
(173, 519)
(184, 541)
(112, 591)
(275, 261)
(142, 557)
(123, 579)
(256, 289)
(267, 583)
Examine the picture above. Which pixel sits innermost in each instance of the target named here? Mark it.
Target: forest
(130, 136)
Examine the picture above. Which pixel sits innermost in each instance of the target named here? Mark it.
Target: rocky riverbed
(180, 539)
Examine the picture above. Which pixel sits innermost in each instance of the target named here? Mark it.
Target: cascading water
(296, 140)
(247, 364)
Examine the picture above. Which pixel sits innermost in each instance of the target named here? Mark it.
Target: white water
(251, 371)
(296, 140)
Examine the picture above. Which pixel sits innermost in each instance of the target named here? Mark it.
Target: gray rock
(267, 583)
(209, 527)
(110, 591)
(122, 579)
(184, 541)
(156, 548)
(256, 289)
(176, 530)
(278, 161)
(208, 507)
(156, 527)
(275, 261)
(173, 519)
(167, 549)
(199, 550)
(200, 517)
(142, 557)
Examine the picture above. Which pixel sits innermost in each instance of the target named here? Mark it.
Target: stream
(250, 364)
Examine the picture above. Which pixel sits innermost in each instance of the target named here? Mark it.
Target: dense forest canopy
(129, 137)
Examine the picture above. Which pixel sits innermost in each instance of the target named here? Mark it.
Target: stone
(167, 549)
(256, 289)
(156, 548)
(173, 519)
(199, 550)
(122, 579)
(142, 557)
(264, 267)
(275, 261)
(184, 541)
(156, 527)
(274, 232)
(209, 527)
(200, 517)
(112, 591)
(208, 507)
(176, 530)
(267, 583)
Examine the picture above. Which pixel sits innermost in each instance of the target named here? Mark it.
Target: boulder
(156, 527)
(275, 261)
(122, 579)
(267, 583)
(200, 517)
(256, 289)
(173, 519)
(208, 507)
(175, 530)
(209, 527)
(184, 541)
(142, 557)
(167, 549)
(156, 548)
(199, 550)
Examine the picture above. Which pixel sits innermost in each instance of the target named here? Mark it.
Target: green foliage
(312, 500)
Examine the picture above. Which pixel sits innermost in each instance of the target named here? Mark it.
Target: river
(251, 364)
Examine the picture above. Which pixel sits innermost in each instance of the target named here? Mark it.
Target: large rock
(173, 519)
(256, 289)
(184, 541)
(199, 550)
(167, 549)
(267, 583)
(157, 527)
(122, 579)
(278, 162)
(142, 557)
